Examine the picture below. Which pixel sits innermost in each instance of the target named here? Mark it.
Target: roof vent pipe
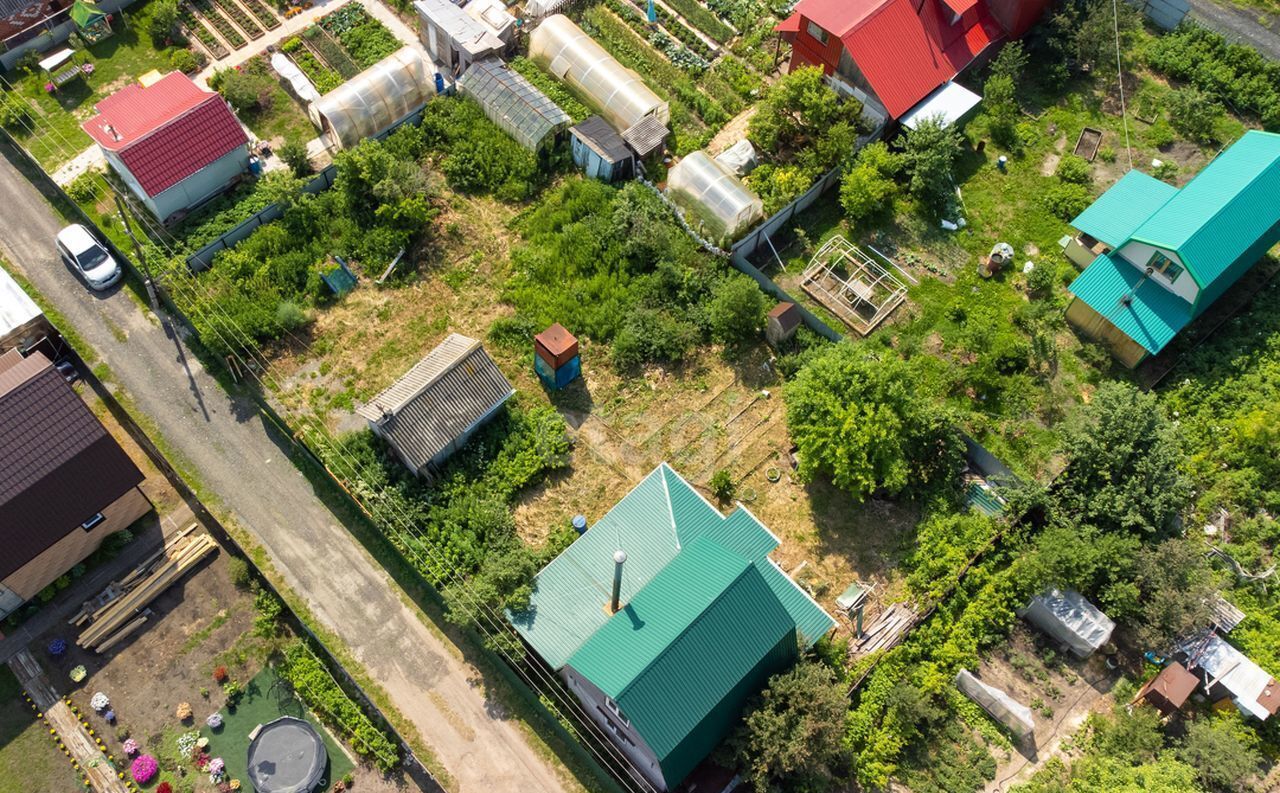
(619, 558)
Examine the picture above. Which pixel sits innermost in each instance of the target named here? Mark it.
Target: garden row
(206, 10)
(702, 18)
(192, 24)
(365, 39)
(324, 78)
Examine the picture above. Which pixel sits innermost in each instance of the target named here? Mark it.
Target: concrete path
(226, 441)
(1239, 24)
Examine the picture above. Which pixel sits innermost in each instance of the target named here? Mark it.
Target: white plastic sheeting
(739, 158)
(618, 93)
(998, 704)
(948, 102)
(375, 99)
(299, 82)
(537, 9)
(718, 200)
(1069, 618)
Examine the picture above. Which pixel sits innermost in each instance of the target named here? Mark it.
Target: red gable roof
(166, 131)
(905, 53)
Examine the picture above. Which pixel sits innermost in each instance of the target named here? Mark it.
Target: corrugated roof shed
(1154, 315)
(60, 464)
(513, 103)
(601, 138)
(682, 657)
(645, 136)
(465, 30)
(439, 400)
(1125, 206)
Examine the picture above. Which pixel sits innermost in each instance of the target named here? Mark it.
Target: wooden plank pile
(121, 609)
(886, 631)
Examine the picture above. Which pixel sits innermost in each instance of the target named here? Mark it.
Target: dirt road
(225, 440)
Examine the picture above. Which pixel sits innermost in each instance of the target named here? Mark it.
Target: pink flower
(49, 88)
(131, 747)
(144, 768)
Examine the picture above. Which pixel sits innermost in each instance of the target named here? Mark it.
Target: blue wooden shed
(600, 151)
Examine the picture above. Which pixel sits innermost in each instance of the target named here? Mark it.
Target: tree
(792, 738)
(1087, 31)
(1011, 61)
(1223, 750)
(1124, 464)
(801, 108)
(1002, 109)
(868, 186)
(163, 22)
(504, 582)
(244, 89)
(1132, 736)
(294, 154)
(863, 419)
(933, 148)
(737, 309)
(1173, 585)
(1195, 114)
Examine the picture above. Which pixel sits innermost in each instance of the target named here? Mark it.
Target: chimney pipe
(619, 557)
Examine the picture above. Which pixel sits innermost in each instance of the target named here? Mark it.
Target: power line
(1124, 113)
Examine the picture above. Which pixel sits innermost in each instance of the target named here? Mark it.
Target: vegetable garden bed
(192, 25)
(240, 18)
(702, 18)
(324, 78)
(265, 16)
(365, 39)
(205, 10)
(330, 52)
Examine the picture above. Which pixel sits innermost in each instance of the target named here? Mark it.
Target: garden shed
(432, 410)
(374, 100)
(454, 38)
(1226, 673)
(1168, 691)
(600, 151)
(1067, 617)
(718, 200)
(514, 103)
(618, 93)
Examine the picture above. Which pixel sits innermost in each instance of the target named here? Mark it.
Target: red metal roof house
(894, 54)
(174, 143)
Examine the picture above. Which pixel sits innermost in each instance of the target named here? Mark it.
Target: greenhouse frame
(376, 99)
(716, 197)
(618, 93)
(514, 103)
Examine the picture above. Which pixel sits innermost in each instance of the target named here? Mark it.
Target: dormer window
(615, 710)
(1165, 266)
(817, 32)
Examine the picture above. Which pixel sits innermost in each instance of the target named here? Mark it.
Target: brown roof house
(1167, 692)
(65, 483)
(431, 412)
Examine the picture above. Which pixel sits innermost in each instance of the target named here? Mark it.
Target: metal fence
(1164, 13)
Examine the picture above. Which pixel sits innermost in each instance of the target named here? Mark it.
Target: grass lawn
(118, 60)
(29, 760)
(283, 118)
(265, 700)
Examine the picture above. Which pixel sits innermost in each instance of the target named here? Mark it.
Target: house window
(1165, 266)
(615, 710)
(818, 33)
(91, 522)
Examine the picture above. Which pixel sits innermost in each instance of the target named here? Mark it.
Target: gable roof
(1226, 208)
(166, 131)
(679, 651)
(61, 466)
(513, 103)
(1252, 689)
(437, 401)
(1115, 215)
(653, 523)
(601, 138)
(1154, 315)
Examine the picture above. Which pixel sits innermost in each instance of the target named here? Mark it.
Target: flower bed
(321, 76)
(262, 13)
(330, 52)
(364, 38)
(702, 18)
(240, 18)
(220, 23)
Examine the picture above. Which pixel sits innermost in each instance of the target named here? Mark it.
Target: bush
(1074, 169)
(477, 155)
(1195, 114)
(245, 89)
(164, 21)
(294, 154)
(931, 153)
(1159, 135)
(1066, 199)
(269, 609)
(722, 486)
(238, 570)
(737, 310)
(84, 188)
(13, 112)
(1042, 278)
(868, 186)
(184, 60)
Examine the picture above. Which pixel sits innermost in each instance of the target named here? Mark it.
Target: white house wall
(632, 745)
(1139, 253)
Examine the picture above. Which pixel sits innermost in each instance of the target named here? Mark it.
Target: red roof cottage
(899, 56)
(172, 142)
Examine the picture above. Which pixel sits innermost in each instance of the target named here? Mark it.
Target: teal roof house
(1160, 256)
(664, 617)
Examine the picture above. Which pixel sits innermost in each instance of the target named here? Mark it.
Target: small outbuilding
(433, 410)
(782, 323)
(286, 756)
(22, 323)
(1167, 692)
(1071, 619)
(1226, 673)
(514, 103)
(454, 38)
(600, 151)
(375, 100)
(555, 357)
(493, 14)
(646, 137)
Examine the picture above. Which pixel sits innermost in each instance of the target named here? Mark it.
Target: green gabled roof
(1222, 212)
(675, 657)
(1152, 318)
(1125, 206)
(652, 524)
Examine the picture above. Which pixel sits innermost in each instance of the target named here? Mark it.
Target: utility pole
(142, 259)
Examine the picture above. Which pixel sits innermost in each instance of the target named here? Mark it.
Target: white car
(88, 257)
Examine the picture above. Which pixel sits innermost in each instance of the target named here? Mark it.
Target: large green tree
(862, 418)
(1223, 750)
(792, 738)
(868, 186)
(932, 150)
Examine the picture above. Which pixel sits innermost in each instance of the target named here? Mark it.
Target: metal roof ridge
(431, 381)
(210, 96)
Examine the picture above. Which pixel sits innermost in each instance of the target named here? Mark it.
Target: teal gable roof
(653, 523)
(1125, 206)
(1224, 211)
(679, 651)
(1152, 318)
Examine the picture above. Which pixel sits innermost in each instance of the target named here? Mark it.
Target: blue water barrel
(255, 166)
(580, 523)
(439, 83)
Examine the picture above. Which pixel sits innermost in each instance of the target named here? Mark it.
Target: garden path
(92, 760)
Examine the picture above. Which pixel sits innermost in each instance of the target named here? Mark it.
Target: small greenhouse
(716, 199)
(514, 103)
(1067, 617)
(376, 99)
(561, 47)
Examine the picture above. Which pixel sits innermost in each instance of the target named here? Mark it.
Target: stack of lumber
(887, 630)
(121, 609)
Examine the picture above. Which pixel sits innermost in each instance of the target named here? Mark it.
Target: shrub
(722, 486)
(13, 112)
(868, 186)
(1074, 169)
(1166, 171)
(84, 188)
(184, 60)
(1159, 134)
(1066, 199)
(269, 609)
(478, 156)
(737, 310)
(239, 571)
(290, 316)
(1195, 114)
(294, 154)
(1042, 278)
(931, 153)
(220, 674)
(245, 89)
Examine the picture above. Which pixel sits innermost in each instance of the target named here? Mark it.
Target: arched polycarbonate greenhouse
(562, 48)
(714, 198)
(375, 99)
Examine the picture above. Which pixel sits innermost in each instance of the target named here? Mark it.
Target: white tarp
(16, 306)
(301, 84)
(1217, 663)
(739, 158)
(998, 704)
(1069, 618)
(537, 9)
(950, 101)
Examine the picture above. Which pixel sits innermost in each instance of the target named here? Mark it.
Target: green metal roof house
(1167, 254)
(664, 617)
